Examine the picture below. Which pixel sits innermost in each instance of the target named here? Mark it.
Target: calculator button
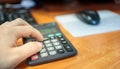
(47, 41)
(60, 51)
(64, 42)
(52, 52)
(56, 43)
(68, 48)
(61, 39)
(58, 34)
(43, 50)
(44, 54)
(54, 40)
(48, 45)
(50, 48)
(51, 35)
(34, 57)
(58, 47)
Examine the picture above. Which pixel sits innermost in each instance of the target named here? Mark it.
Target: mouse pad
(109, 22)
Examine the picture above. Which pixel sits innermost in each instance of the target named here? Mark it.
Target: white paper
(109, 22)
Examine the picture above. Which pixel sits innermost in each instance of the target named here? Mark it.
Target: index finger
(27, 31)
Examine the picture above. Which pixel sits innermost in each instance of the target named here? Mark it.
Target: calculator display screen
(46, 31)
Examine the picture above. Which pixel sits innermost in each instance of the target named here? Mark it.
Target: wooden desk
(100, 51)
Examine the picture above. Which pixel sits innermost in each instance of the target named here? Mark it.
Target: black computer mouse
(90, 17)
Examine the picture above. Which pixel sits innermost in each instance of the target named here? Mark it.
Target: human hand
(11, 54)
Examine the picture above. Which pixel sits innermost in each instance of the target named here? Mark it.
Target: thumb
(27, 50)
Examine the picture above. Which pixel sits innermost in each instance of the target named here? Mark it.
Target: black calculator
(55, 45)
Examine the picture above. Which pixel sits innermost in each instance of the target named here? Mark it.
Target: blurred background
(62, 4)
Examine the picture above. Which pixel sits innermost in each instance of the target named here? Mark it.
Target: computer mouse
(90, 17)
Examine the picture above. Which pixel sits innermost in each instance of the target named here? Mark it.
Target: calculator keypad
(44, 54)
(53, 45)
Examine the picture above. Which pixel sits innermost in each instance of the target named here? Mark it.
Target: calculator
(55, 45)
